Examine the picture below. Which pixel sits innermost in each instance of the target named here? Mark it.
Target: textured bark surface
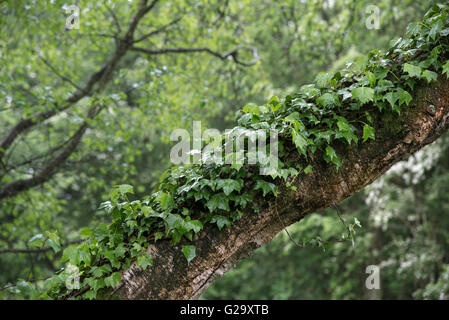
(217, 251)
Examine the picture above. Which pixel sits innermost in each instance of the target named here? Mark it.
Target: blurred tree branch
(95, 85)
(232, 53)
(99, 78)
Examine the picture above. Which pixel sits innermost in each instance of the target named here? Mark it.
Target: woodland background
(403, 214)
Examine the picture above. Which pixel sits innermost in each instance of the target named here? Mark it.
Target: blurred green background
(403, 214)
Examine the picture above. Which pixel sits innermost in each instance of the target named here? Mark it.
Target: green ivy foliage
(338, 107)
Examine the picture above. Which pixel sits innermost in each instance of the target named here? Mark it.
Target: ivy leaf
(251, 108)
(229, 185)
(158, 235)
(323, 79)
(95, 285)
(308, 169)
(113, 280)
(430, 76)
(380, 73)
(348, 135)
(136, 249)
(326, 135)
(275, 103)
(99, 271)
(212, 184)
(425, 64)
(384, 85)
(237, 165)
(194, 225)
(300, 142)
(446, 69)
(166, 200)
(331, 156)
(391, 97)
(368, 132)
(413, 71)
(309, 90)
(327, 99)
(37, 240)
(345, 93)
(266, 187)
(125, 188)
(221, 221)
(246, 119)
(144, 261)
(147, 211)
(189, 252)
(363, 94)
(53, 241)
(404, 96)
(371, 78)
(70, 254)
(294, 116)
(84, 256)
(435, 29)
(413, 29)
(434, 54)
(173, 221)
(86, 233)
(368, 117)
(185, 211)
(243, 200)
(298, 125)
(110, 255)
(120, 250)
(342, 123)
(218, 201)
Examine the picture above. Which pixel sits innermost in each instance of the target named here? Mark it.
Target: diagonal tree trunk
(217, 251)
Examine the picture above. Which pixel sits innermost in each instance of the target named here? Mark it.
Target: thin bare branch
(38, 157)
(157, 31)
(101, 35)
(55, 71)
(233, 53)
(114, 17)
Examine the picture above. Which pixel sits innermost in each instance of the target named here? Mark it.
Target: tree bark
(217, 251)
